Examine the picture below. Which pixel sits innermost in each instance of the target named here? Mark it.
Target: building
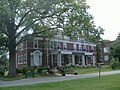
(105, 51)
(55, 52)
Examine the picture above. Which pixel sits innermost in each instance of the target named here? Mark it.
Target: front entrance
(37, 58)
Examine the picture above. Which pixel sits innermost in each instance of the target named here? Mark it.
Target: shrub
(24, 70)
(75, 73)
(62, 71)
(1, 73)
(115, 64)
(50, 72)
(18, 70)
(40, 69)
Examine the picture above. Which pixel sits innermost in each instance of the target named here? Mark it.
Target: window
(80, 47)
(22, 59)
(106, 49)
(21, 46)
(35, 44)
(19, 60)
(62, 58)
(58, 45)
(51, 45)
(92, 48)
(55, 58)
(74, 46)
(25, 58)
(64, 46)
(106, 58)
(85, 48)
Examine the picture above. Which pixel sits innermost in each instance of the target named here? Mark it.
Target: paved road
(29, 81)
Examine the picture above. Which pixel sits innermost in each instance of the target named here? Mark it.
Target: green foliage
(98, 50)
(2, 70)
(115, 50)
(40, 69)
(1, 73)
(50, 72)
(114, 64)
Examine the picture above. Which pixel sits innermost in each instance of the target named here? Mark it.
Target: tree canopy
(115, 50)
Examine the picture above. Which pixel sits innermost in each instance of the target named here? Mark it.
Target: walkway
(55, 79)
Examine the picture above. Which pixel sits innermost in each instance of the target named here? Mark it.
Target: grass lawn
(93, 70)
(111, 82)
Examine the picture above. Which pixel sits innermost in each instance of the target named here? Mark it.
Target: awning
(78, 53)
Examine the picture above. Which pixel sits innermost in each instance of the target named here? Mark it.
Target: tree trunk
(12, 60)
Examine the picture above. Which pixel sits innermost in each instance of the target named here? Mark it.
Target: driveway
(29, 81)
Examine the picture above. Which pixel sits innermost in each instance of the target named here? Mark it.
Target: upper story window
(80, 47)
(92, 48)
(106, 49)
(85, 48)
(75, 46)
(64, 46)
(51, 45)
(106, 58)
(58, 45)
(35, 44)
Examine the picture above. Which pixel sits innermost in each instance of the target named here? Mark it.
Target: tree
(3, 51)
(18, 17)
(76, 22)
(115, 50)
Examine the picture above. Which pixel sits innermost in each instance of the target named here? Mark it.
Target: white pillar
(83, 60)
(73, 59)
(59, 59)
(51, 59)
(86, 60)
(94, 60)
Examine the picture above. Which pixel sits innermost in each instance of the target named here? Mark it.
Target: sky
(107, 15)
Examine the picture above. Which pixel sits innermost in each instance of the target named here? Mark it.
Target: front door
(37, 58)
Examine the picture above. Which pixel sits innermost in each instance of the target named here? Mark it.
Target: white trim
(66, 52)
(88, 53)
(68, 41)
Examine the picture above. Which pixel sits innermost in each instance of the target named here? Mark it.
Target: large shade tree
(19, 17)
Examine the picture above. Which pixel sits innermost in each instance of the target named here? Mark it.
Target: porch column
(83, 60)
(73, 59)
(86, 60)
(93, 60)
(59, 59)
(51, 59)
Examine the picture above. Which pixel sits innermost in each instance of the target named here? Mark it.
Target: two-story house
(55, 52)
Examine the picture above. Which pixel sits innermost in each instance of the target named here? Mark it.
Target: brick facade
(54, 53)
